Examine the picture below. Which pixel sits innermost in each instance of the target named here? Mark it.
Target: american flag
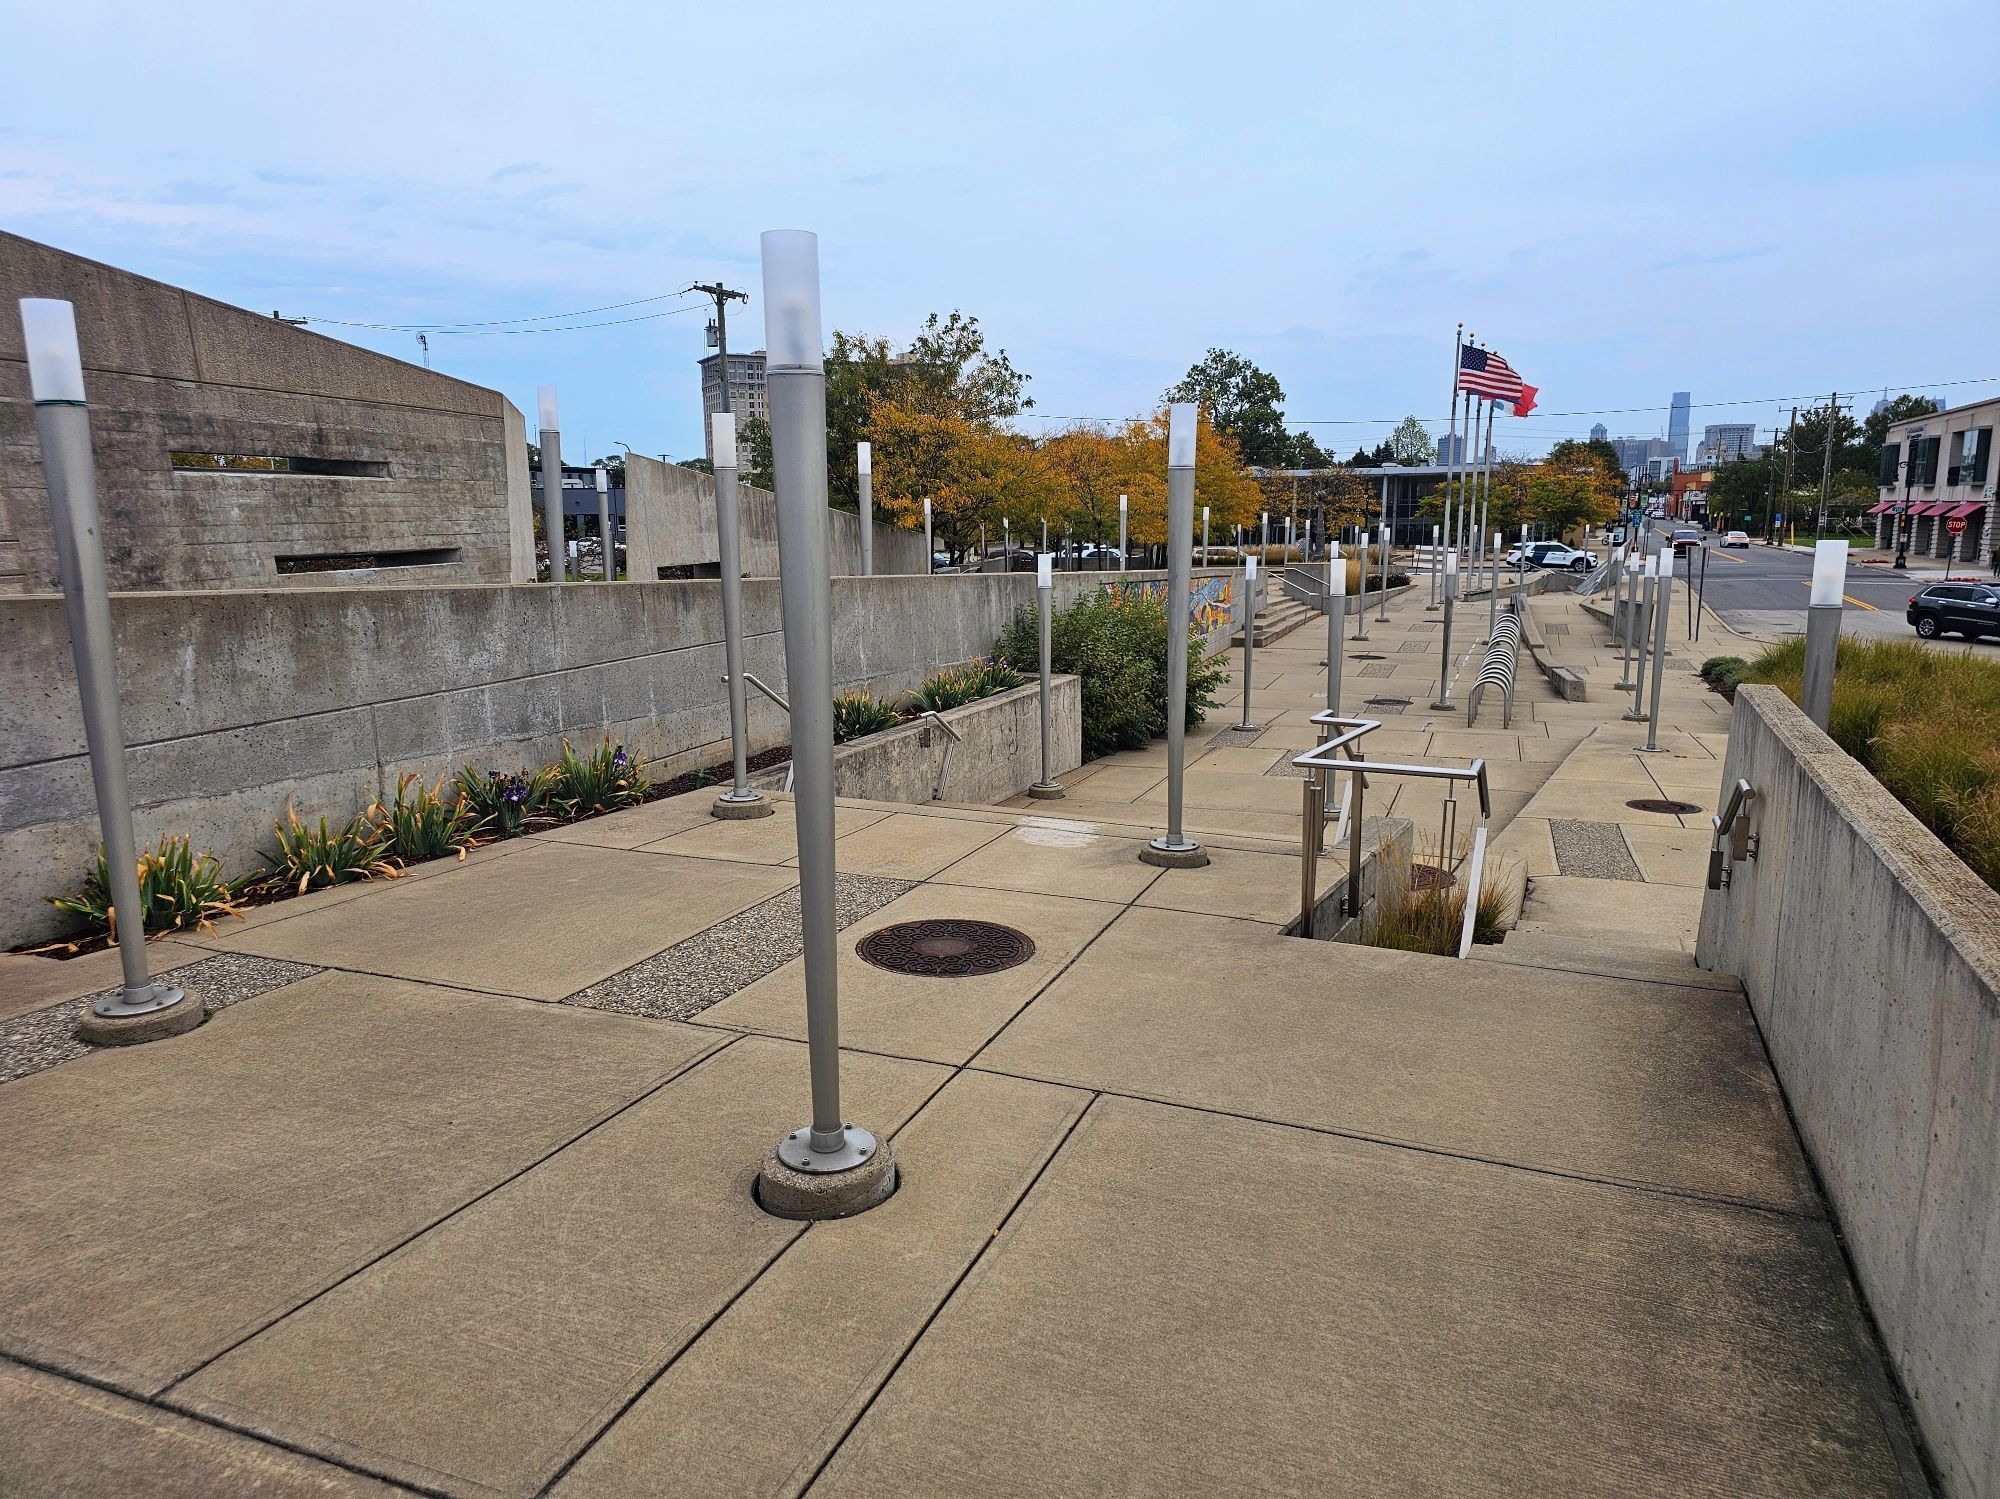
(1485, 373)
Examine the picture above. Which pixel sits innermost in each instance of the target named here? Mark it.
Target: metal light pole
(1047, 789)
(1174, 849)
(739, 801)
(1633, 565)
(1662, 617)
(1650, 579)
(1493, 593)
(864, 469)
(1443, 703)
(1361, 614)
(930, 550)
(1264, 520)
(143, 1009)
(1121, 534)
(1829, 578)
(1204, 536)
(604, 523)
(552, 500)
(1249, 635)
(830, 1168)
(1437, 537)
(1336, 600)
(1383, 592)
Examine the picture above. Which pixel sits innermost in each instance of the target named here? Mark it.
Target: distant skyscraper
(748, 397)
(1727, 441)
(1677, 425)
(1451, 447)
(1599, 433)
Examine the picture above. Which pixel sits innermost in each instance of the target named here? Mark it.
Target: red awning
(1881, 509)
(1927, 507)
(1958, 512)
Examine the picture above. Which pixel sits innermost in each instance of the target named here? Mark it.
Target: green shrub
(958, 685)
(1116, 644)
(859, 714)
(602, 781)
(504, 805)
(308, 858)
(424, 823)
(178, 888)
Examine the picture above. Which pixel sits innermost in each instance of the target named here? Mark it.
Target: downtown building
(1937, 471)
(1725, 442)
(749, 397)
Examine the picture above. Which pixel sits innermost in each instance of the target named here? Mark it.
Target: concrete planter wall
(999, 753)
(1871, 956)
(235, 701)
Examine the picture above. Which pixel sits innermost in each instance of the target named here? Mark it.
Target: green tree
(757, 436)
(1411, 442)
(1243, 401)
(1875, 430)
(1307, 453)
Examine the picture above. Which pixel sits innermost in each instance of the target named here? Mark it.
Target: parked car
(1553, 554)
(1686, 540)
(1968, 609)
(1736, 538)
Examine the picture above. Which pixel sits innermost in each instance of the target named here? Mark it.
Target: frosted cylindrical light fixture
(1451, 564)
(545, 408)
(55, 364)
(1617, 554)
(927, 507)
(864, 458)
(1045, 570)
(1829, 575)
(1180, 434)
(1249, 569)
(791, 299)
(604, 481)
(722, 436)
(1634, 563)
(1121, 504)
(1336, 576)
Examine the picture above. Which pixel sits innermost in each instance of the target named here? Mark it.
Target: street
(1762, 591)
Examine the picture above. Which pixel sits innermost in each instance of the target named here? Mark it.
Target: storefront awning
(1881, 508)
(1959, 512)
(1927, 507)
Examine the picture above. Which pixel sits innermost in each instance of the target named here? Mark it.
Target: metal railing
(1733, 824)
(1339, 754)
(1301, 585)
(951, 736)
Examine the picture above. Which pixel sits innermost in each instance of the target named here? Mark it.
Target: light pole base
(1047, 791)
(1186, 854)
(1633, 716)
(171, 1012)
(1444, 705)
(1623, 686)
(796, 1181)
(749, 804)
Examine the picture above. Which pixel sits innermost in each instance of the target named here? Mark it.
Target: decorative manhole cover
(946, 949)
(1389, 702)
(1662, 804)
(1430, 877)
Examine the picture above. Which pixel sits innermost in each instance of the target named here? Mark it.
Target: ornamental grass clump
(504, 804)
(859, 714)
(178, 889)
(1432, 920)
(1924, 722)
(956, 686)
(426, 824)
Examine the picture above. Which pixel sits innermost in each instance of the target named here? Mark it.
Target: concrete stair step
(1611, 954)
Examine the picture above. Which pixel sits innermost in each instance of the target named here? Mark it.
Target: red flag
(1525, 402)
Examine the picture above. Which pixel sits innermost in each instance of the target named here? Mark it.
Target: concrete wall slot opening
(334, 562)
(275, 465)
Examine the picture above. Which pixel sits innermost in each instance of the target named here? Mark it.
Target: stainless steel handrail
(1325, 760)
(951, 740)
(754, 681)
(1734, 824)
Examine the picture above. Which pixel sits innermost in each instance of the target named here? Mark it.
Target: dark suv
(1968, 609)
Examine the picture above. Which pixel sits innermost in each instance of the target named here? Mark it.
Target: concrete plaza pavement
(454, 1197)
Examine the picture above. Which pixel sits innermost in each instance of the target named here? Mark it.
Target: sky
(1750, 202)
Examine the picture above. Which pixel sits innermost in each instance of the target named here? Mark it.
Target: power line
(502, 324)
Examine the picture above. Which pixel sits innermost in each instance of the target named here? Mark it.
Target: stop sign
(1955, 525)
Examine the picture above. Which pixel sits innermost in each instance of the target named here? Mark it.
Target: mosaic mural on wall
(1211, 601)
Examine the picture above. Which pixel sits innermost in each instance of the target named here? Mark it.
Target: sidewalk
(453, 1197)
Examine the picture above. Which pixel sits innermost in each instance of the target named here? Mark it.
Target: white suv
(1553, 554)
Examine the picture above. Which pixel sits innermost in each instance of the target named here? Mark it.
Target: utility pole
(1826, 460)
(1791, 450)
(722, 297)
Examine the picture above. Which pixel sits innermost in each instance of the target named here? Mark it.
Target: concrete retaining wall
(999, 753)
(167, 371)
(1871, 956)
(234, 701)
(670, 524)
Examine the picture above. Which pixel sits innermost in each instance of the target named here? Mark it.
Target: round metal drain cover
(1389, 702)
(946, 949)
(1364, 656)
(1661, 804)
(1430, 877)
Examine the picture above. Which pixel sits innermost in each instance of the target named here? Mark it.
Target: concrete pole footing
(727, 806)
(1167, 856)
(1631, 715)
(784, 1192)
(1050, 792)
(184, 1014)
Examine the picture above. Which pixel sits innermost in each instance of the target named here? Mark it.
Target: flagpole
(1450, 537)
(1486, 491)
(1466, 507)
